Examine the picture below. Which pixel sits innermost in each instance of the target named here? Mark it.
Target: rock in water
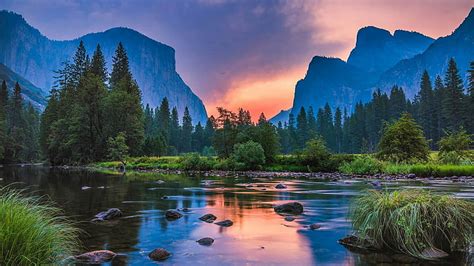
(314, 226)
(159, 254)
(94, 257)
(208, 218)
(206, 241)
(434, 253)
(172, 215)
(411, 176)
(280, 186)
(107, 215)
(291, 207)
(225, 223)
(289, 218)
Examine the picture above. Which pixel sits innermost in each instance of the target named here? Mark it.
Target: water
(259, 236)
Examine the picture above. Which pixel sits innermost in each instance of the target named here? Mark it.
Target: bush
(250, 154)
(403, 142)
(117, 147)
(412, 221)
(193, 161)
(454, 147)
(32, 233)
(362, 165)
(316, 155)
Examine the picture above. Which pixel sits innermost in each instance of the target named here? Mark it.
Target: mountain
(382, 60)
(282, 117)
(377, 50)
(30, 92)
(35, 57)
(459, 45)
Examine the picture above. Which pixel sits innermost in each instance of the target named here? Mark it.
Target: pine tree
(198, 138)
(470, 100)
(426, 107)
(301, 128)
(80, 64)
(3, 118)
(453, 112)
(338, 130)
(162, 117)
(16, 126)
(438, 122)
(98, 67)
(174, 131)
(186, 132)
(121, 68)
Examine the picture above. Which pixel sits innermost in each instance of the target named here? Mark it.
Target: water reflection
(258, 235)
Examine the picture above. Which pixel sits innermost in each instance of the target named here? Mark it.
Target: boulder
(280, 186)
(206, 241)
(208, 218)
(289, 218)
(291, 207)
(107, 215)
(411, 176)
(314, 226)
(159, 254)
(172, 215)
(95, 257)
(225, 223)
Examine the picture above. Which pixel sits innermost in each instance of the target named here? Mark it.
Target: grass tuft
(412, 221)
(33, 232)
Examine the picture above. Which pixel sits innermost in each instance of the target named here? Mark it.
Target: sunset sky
(241, 53)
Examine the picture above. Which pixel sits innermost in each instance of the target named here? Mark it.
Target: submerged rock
(159, 254)
(434, 253)
(225, 223)
(107, 215)
(208, 218)
(314, 226)
(289, 218)
(291, 207)
(280, 186)
(172, 215)
(95, 257)
(206, 241)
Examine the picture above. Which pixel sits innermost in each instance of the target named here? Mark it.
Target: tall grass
(33, 232)
(413, 221)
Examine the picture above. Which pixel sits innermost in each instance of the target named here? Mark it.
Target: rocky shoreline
(336, 176)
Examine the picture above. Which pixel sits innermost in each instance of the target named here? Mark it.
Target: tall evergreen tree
(426, 106)
(186, 131)
(453, 110)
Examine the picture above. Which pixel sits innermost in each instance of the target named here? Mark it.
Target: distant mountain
(282, 117)
(459, 45)
(32, 55)
(377, 50)
(30, 92)
(382, 60)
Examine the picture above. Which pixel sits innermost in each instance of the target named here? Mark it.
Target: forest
(93, 115)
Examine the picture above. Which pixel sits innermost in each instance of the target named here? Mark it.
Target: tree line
(92, 115)
(440, 107)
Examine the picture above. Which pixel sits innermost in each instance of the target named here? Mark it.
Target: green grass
(410, 221)
(33, 232)
(427, 170)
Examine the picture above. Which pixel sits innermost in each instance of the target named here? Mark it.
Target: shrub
(362, 165)
(454, 147)
(413, 221)
(117, 147)
(33, 233)
(316, 155)
(250, 154)
(403, 142)
(193, 161)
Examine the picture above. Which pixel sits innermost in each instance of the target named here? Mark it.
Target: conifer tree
(338, 130)
(301, 128)
(186, 131)
(426, 107)
(174, 131)
(98, 65)
(452, 104)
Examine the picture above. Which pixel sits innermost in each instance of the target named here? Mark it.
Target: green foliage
(454, 147)
(403, 141)
(250, 154)
(193, 161)
(315, 154)
(362, 165)
(117, 147)
(33, 232)
(410, 221)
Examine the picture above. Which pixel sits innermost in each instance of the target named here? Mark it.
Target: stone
(314, 226)
(95, 257)
(280, 186)
(208, 218)
(107, 215)
(289, 218)
(225, 223)
(206, 241)
(411, 176)
(159, 254)
(290, 207)
(172, 215)
(434, 253)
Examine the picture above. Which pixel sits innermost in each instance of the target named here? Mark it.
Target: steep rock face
(30, 92)
(377, 50)
(333, 81)
(381, 60)
(282, 117)
(27, 52)
(459, 45)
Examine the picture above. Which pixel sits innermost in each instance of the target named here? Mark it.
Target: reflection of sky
(258, 236)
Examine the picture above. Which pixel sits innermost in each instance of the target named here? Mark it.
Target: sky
(241, 53)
